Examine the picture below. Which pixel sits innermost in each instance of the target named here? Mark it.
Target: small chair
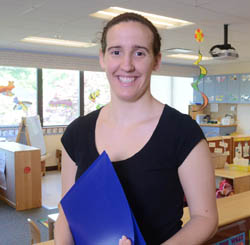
(58, 158)
(34, 231)
(43, 162)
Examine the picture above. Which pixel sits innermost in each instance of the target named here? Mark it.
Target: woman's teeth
(126, 79)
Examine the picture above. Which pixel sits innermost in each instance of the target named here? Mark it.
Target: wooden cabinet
(244, 88)
(240, 180)
(233, 91)
(209, 88)
(22, 174)
(213, 130)
(220, 89)
(197, 98)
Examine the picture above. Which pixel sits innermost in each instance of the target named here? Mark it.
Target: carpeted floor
(14, 229)
(43, 222)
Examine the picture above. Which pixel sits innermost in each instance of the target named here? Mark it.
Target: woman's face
(129, 60)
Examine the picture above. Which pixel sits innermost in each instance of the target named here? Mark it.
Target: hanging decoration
(199, 36)
(6, 90)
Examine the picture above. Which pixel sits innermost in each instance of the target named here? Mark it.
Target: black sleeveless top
(149, 178)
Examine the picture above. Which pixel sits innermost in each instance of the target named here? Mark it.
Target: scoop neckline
(134, 156)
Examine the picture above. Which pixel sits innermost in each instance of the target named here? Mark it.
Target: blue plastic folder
(97, 209)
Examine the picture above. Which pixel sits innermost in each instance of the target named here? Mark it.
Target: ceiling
(70, 20)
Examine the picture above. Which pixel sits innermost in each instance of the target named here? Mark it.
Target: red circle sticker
(27, 170)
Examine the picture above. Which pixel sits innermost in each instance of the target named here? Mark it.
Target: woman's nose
(127, 63)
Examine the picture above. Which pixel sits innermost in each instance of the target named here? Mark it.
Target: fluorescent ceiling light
(178, 50)
(56, 41)
(188, 56)
(157, 20)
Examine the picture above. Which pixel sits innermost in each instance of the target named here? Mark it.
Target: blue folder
(97, 209)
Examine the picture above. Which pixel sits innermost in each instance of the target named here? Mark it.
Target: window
(60, 96)
(174, 91)
(161, 88)
(61, 90)
(182, 95)
(18, 94)
(96, 90)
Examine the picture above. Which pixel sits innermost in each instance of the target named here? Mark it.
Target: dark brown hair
(126, 17)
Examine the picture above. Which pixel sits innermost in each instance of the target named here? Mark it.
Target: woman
(158, 153)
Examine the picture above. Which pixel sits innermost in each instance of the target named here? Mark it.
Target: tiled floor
(51, 189)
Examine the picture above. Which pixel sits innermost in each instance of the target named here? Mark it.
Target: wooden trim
(10, 203)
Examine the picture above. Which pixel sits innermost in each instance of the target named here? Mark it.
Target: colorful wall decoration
(93, 96)
(6, 90)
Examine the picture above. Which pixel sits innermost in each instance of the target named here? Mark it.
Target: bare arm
(197, 179)
(63, 235)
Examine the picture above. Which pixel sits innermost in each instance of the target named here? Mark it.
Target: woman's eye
(116, 52)
(139, 53)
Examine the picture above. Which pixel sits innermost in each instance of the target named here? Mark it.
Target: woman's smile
(126, 79)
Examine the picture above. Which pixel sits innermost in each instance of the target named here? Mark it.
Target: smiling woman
(129, 65)
(158, 153)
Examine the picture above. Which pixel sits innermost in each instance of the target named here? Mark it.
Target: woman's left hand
(124, 241)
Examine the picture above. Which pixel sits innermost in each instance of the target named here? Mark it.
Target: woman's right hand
(124, 241)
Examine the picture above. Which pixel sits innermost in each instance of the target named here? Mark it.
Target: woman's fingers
(124, 241)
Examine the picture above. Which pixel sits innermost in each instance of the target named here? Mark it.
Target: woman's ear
(157, 62)
(101, 59)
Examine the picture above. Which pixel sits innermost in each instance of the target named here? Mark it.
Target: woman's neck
(124, 112)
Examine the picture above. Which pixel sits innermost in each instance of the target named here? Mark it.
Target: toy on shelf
(225, 189)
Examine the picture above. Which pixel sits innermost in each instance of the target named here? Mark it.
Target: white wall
(229, 68)
(52, 142)
(243, 118)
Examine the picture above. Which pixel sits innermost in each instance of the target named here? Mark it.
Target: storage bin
(239, 167)
(218, 160)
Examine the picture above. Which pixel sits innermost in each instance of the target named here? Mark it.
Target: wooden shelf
(23, 175)
(241, 180)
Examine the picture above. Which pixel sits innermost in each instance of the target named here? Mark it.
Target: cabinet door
(210, 131)
(209, 88)
(220, 88)
(244, 82)
(233, 91)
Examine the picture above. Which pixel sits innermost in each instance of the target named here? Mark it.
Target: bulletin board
(223, 145)
(30, 133)
(245, 145)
